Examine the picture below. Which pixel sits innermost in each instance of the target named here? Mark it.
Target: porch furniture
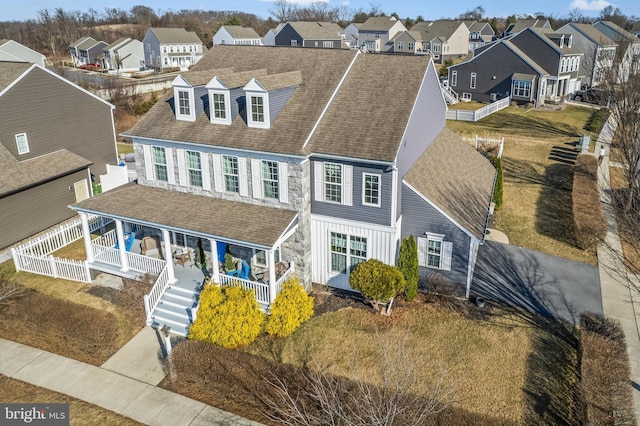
(129, 238)
(263, 275)
(243, 272)
(181, 256)
(222, 250)
(150, 246)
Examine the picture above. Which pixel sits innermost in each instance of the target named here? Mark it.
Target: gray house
(522, 24)
(444, 39)
(327, 35)
(628, 50)
(236, 34)
(86, 50)
(376, 33)
(12, 51)
(50, 150)
(480, 33)
(171, 48)
(252, 154)
(124, 54)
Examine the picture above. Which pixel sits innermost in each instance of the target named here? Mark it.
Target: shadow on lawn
(539, 127)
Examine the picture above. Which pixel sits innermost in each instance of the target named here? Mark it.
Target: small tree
(499, 188)
(228, 316)
(408, 265)
(377, 282)
(292, 307)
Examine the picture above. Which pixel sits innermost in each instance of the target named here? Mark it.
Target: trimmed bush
(589, 225)
(499, 188)
(408, 265)
(597, 119)
(229, 264)
(227, 316)
(292, 307)
(377, 281)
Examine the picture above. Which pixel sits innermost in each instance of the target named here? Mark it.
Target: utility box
(584, 143)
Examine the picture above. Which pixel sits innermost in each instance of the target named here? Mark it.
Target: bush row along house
(538, 65)
(50, 150)
(252, 152)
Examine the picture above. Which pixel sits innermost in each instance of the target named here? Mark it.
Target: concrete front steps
(174, 308)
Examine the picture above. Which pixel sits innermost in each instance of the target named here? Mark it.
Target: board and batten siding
(382, 244)
(357, 211)
(427, 120)
(21, 214)
(56, 115)
(419, 217)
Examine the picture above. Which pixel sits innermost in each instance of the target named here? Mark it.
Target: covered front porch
(183, 252)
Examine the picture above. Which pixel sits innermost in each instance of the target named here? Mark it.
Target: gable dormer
(184, 99)
(257, 105)
(219, 102)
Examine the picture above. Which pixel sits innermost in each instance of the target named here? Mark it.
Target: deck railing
(261, 290)
(152, 299)
(284, 277)
(146, 264)
(104, 254)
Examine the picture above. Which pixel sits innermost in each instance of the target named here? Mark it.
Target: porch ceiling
(189, 213)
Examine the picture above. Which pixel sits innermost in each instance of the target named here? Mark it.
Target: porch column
(168, 256)
(86, 234)
(214, 261)
(272, 276)
(124, 262)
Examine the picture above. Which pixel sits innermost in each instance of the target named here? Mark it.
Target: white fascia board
(254, 86)
(216, 84)
(180, 81)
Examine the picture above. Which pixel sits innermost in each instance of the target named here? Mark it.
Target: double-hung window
(270, 179)
(183, 102)
(434, 252)
(22, 143)
(346, 252)
(411, 46)
(333, 183)
(219, 106)
(231, 174)
(521, 88)
(160, 163)
(257, 109)
(371, 189)
(194, 168)
(472, 83)
(400, 45)
(338, 252)
(454, 78)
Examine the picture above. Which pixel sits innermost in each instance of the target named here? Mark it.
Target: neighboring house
(125, 54)
(351, 35)
(171, 48)
(235, 34)
(635, 30)
(480, 33)
(12, 51)
(628, 51)
(49, 149)
(86, 51)
(251, 151)
(443, 39)
(269, 38)
(376, 33)
(598, 49)
(533, 66)
(327, 35)
(520, 25)
(408, 42)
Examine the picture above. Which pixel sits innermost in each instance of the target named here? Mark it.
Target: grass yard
(125, 148)
(468, 106)
(538, 160)
(80, 413)
(500, 364)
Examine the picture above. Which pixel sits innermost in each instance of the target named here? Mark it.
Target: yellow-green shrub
(292, 307)
(227, 316)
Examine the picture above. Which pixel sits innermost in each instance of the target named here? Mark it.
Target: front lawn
(539, 153)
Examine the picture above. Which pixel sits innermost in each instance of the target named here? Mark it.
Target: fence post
(16, 260)
(147, 309)
(54, 268)
(87, 272)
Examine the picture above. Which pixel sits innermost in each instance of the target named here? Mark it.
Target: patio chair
(150, 246)
(129, 238)
(243, 272)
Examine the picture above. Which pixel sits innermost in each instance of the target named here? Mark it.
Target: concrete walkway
(116, 392)
(619, 299)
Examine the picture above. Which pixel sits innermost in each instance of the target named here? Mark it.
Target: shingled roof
(432, 29)
(317, 30)
(224, 219)
(457, 179)
(593, 34)
(315, 74)
(175, 35)
(378, 23)
(10, 71)
(237, 31)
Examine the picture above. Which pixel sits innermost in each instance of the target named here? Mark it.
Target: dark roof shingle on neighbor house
(457, 179)
(384, 103)
(229, 220)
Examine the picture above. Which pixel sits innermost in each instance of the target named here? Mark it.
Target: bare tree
(324, 399)
(10, 291)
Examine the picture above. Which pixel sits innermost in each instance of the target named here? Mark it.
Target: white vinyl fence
(486, 143)
(463, 115)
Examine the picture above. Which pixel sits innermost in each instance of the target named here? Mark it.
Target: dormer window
(22, 143)
(184, 99)
(257, 109)
(257, 101)
(183, 103)
(219, 102)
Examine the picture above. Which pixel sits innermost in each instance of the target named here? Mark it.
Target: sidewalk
(619, 300)
(124, 395)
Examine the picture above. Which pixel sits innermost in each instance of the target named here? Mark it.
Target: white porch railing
(152, 299)
(146, 264)
(108, 239)
(104, 254)
(287, 274)
(463, 115)
(261, 290)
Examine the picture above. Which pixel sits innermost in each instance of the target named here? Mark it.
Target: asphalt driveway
(539, 283)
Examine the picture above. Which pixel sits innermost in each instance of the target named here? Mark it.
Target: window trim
(177, 91)
(364, 194)
(439, 239)
(265, 109)
(339, 185)
(473, 80)
(454, 78)
(522, 87)
(190, 169)
(225, 174)
(26, 149)
(400, 45)
(347, 254)
(227, 106)
(155, 164)
(264, 181)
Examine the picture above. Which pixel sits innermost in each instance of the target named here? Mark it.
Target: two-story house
(236, 34)
(351, 35)
(376, 33)
(326, 35)
(522, 24)
(443, 39)
(533, 66)
(86, 50)
(50, 150)
(635, 30)
(628, 51)
(124, 54)
(252, 155)
(171, 48)
(598, 49)
(480, 33)
(12, 51)
(269, 39)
